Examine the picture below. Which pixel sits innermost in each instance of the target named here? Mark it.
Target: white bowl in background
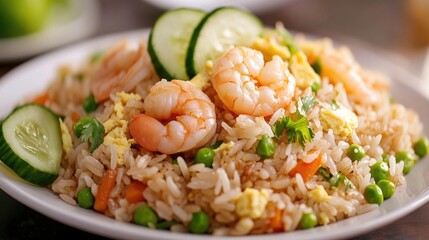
(67, 24)
(255, 6)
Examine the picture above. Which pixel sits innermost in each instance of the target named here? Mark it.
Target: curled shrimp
(246, 86)
(339, 66)
(190, 116)
(122, 69)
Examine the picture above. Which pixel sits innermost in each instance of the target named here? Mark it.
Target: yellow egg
(116, 127)
(318, 194)
(251, 203)
(270, 46)
(340, 119)
(65, 136)
(302, 71)
(224, 146)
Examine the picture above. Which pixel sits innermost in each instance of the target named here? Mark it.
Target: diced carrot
(75, 116)
(41, 99)
(307, 170)
(276, 222)
(134, 192)
(103, 194)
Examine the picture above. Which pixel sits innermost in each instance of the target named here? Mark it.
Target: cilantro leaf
(296, 131)
(305, 103)
(90, 129)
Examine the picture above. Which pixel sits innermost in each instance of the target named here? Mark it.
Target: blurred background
(395, 29)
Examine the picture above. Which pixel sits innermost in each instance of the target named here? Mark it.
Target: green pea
(206, 156)
(421, 147)
(89, 105)
(380, 171)
(266, 147)
(387, 187)
(373, 194)
(199, 222)
(145, 216)
(407, 159)
(308, 220)
(85, 199)
(355, 152)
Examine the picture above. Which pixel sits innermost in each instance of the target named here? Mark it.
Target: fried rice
(176, 187)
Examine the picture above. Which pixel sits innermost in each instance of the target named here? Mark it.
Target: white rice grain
(113, 156)
(227, 196)
(300, 184)
(173, 188)
(66, 198)
(93, 165)
(180, 213)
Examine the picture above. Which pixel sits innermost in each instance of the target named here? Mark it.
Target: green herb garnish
(305, 103)
(296, 131)
(90, 129)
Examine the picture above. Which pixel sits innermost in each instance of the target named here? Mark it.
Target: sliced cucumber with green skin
(169, 40)
(217, 31)
(30, 143)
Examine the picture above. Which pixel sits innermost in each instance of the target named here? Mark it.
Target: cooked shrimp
(194, 114)
(339, 66)
(122, 69)
(246, 86)
(338, 69)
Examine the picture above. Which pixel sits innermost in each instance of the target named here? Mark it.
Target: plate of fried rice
(267, 141)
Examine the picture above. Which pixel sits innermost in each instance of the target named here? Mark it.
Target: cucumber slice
(217, 31)
(30, 143)
(169, 39)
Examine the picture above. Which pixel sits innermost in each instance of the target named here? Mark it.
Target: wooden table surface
(382, 23)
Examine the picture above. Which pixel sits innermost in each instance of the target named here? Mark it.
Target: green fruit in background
(21, 17)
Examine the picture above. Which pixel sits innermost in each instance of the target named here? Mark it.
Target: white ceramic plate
(33, 76)
(76, 21)
(255, 6)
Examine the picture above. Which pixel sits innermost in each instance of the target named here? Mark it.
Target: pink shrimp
(246, 86)
(190, 114)
(122, 69)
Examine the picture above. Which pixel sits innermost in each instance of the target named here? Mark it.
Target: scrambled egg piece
(116, 126)
(65, 137)
(270, 46)
(340, 119)
(319, 194)
(251, 203)
(302, 71)
(224, 146)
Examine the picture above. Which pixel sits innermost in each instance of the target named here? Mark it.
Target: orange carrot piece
(103, 194)
(134, 192)
(276, 222)
(307, 170)
(75, 116)
(41, 99)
